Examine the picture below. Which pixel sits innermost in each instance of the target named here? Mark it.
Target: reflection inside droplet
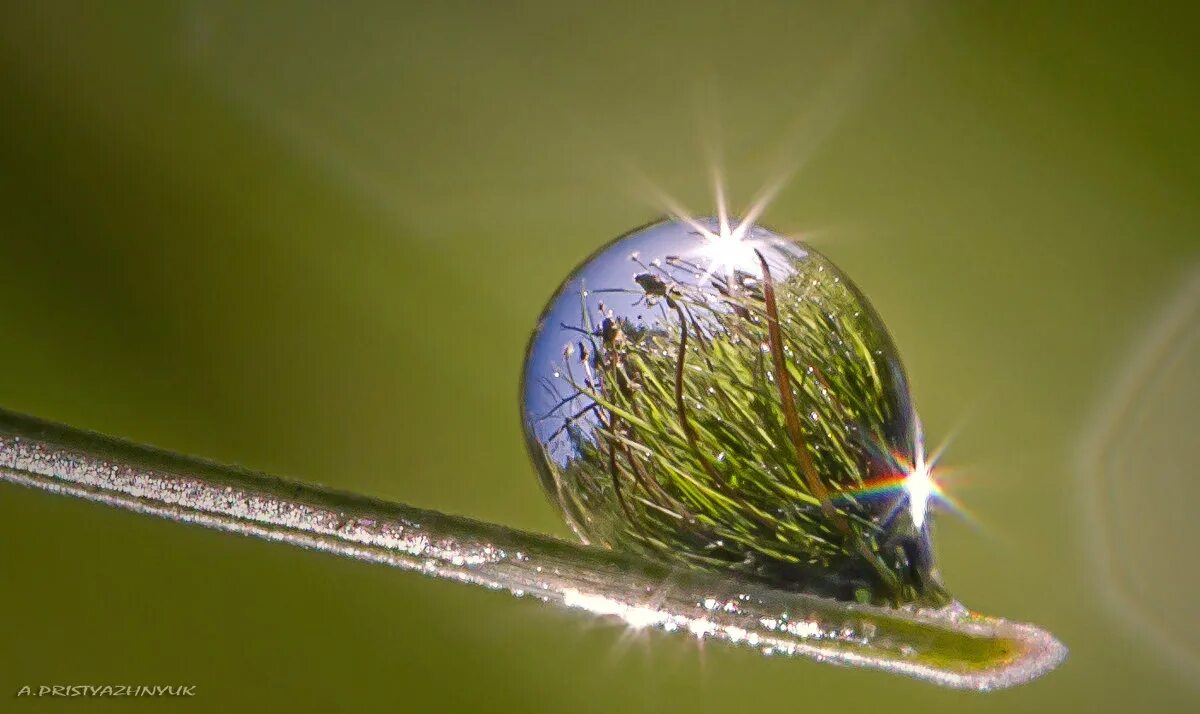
(725, 399)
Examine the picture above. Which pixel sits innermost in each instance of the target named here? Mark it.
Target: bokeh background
(312, 238)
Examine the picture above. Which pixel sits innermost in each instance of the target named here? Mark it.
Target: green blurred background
(312, 238)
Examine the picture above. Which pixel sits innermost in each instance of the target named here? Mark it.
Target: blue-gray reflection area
(610, 290)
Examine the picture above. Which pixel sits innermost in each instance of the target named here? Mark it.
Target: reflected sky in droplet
(608, 278)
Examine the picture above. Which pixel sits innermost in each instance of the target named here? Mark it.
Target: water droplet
(697, 382)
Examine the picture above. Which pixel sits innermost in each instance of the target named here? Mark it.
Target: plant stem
(950, 647)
